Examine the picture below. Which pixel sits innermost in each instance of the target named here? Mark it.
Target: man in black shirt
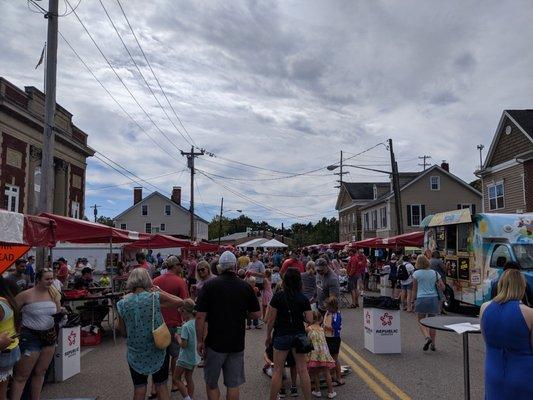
(224, 302)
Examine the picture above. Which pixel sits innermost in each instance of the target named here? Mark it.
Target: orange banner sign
(11, 253)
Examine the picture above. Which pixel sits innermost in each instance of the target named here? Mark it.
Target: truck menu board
(464, 268)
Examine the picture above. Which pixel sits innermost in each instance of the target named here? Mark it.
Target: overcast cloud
(281, 85)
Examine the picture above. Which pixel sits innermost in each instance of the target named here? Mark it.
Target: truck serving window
(524, 255)
(462, 238)
(451, 238)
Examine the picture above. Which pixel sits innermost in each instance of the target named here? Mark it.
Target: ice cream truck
(475, 249)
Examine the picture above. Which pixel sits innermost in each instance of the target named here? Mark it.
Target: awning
(28, 230)
(412, 239)
(274, 244)
(370, 242)
(339, 246)
(448, 218)
(79, 231)
(159, 241)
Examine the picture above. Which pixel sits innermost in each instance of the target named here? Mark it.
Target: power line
(127, 183)
(113, 97)
(263, 179)
(117, 75)
(144, 79)
(153, 73)
(424, 162)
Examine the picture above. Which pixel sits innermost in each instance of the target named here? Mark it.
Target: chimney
(445, 166)
(137, 194)
(176, 195)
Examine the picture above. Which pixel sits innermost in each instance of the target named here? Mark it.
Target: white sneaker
(317, 393)
(332, 395)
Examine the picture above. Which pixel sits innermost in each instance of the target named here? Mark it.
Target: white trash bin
(382, 330)
(384, 286)
(68, 353)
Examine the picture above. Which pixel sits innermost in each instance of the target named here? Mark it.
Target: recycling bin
(68, 353)
(382, 328)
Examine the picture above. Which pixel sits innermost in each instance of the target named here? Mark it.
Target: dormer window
(375, 192)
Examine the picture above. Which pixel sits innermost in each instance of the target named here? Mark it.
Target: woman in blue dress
(507, 327)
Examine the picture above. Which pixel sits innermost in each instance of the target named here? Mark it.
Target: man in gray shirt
(327, 283)
(309, 282)
(257, 269)
(436, 264)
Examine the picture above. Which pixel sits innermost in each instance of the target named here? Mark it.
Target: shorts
(231, 365)
(7, 362)
(284, 342)
(408, 286)
(289, 361)
(30, 342)
(159, 378)
(334, 345)
(185, 365)
(352, 282)
(427, 305)
(173, 349)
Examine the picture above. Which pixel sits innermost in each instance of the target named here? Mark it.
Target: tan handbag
(161, 334)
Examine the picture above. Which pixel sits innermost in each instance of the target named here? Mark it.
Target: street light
(220, 218)
(333, 167)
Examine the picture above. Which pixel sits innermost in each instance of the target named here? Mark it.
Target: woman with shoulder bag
(38, 336)
(287, 312)
(140, 318)
(427, 284)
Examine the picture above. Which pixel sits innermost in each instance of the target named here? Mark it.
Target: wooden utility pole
(396, 189)
(340, 173)
(424, 162)
(220, 220)
(95, 211)
(190, 163)
(47, 162)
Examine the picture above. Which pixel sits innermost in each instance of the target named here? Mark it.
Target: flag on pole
(42, 57)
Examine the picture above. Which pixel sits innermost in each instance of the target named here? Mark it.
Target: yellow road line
(371, 383)
(377, 374)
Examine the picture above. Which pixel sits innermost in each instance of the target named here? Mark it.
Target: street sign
(11, 253)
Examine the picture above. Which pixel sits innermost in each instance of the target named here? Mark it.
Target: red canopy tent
(159, 241)
(28, 230)
(339, 246)
(79, 231)
(203, 247)
(411, 239)
(370, 242)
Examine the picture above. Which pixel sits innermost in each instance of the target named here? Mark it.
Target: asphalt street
(413, 374)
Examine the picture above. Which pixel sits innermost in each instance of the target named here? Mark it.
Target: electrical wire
(144, 79)
(262, 179)
(121, 173)
(127, 183)
(117, 75)
(153, 73)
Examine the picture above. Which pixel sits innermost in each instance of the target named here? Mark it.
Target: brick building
(21, 139)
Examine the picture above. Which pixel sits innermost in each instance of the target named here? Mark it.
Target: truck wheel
(450, 304)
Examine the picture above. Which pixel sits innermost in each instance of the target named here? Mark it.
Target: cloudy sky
(280, 86)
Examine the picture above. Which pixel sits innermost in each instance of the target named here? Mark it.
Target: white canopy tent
(254, 243)
(273, 243)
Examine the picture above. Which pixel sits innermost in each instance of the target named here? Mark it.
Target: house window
(435, 182)
(374, 219)
(148, 227)
(11, 198)
(383, 217)
(167, 209)
(367, 221)
(375, 192)
(75, 210)
(163, 227)
(463, 206)
(415, 214)
(123, 226)
(496, 193)
(144, 209)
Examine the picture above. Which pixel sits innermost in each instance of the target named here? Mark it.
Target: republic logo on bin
(386, 319)
(367, 318)
(71, 338)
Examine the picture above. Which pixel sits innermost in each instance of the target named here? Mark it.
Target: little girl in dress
(319, 360)
(267, 291)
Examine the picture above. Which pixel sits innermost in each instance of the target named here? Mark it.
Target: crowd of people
(181, 313)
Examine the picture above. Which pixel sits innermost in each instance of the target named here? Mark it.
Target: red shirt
(62, 273)
(356, 265)
(292, 263)
(173, 284)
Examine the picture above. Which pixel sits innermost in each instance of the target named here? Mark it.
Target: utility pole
(282, 233)
(95, 211)
(424, 163)
(47, 162)
(190, 163)
(396, 189)
(220, 220)
(340, 173)
(480, 147)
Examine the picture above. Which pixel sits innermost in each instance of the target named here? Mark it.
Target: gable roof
(166, 199)
(359, 190)
(419, 176)
(523, 119)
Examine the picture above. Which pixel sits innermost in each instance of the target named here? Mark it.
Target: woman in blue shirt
(136, 312)
(426, 286)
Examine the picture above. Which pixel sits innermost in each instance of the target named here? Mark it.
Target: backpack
(403, 275)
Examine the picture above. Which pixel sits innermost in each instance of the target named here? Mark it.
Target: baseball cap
(227, 260)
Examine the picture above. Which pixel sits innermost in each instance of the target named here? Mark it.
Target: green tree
(105, 220)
